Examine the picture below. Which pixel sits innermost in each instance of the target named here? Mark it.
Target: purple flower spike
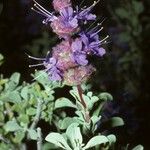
(68, 60)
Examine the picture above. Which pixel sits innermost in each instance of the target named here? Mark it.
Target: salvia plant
(76, 117)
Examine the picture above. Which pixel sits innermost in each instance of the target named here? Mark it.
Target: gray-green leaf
(74, 135)
(58, 140)
(97, 140)
(12, 126)
(139, 147)
(33, 134)
(15, 77)
(63, 102)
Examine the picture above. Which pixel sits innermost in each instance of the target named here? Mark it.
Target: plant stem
(80, 91)
(37, 117)
(87, 116)
(39, 139)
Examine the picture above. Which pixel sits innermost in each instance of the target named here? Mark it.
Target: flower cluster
(68, 61)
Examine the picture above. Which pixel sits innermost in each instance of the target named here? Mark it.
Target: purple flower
(66, 24)
(91, 41)
(79, 55)
(85, 13)
(51, 68)
(68, 17)
(42, 11)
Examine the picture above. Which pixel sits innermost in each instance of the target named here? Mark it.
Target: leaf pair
(73, 140)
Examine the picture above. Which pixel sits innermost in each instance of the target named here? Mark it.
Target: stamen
(105, 42)
(94, 29)
(105, 38)
(81, 3)
(47, 14)
(97, 32)
(91, 25)
(42, 7)
(35, 58)
(30, 66)
(90, 7)
(98, 24)
(102, 41)
(38, 12)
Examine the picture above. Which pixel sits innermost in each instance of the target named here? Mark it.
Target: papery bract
(78, 75)
(61, 4)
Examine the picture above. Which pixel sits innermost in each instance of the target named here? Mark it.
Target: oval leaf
(58, 140)
(63, 102)
(74, 135)
(33, 134)
(139, 147)
(64, 124)
(97, 140)
(12, 126)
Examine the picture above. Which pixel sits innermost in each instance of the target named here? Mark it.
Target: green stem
(38, 114)
(39, 139)
(87, 116)
(80, 91)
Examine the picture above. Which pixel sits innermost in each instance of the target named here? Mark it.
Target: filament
(36, 65)
(90, 7)
(41, 8)
(47, 14)
(35, 58)
(38, 12)
(105, 38)
(97, 32)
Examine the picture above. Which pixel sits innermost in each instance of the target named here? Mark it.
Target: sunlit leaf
(33, 134)
(112, 138)
(74, 135)
(19, 135)
(63, 124)
(12, 126)
(105, 96)
(97, 140)
(139, 147)
(63, 102)
(58, 140)
(24, 93)
(15, 77)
